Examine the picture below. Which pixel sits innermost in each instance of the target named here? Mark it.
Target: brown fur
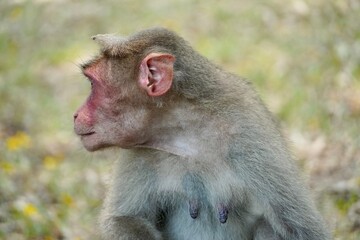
(205, 160)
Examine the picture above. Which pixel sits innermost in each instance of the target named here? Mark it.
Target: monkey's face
(118, 112)
(110, 116)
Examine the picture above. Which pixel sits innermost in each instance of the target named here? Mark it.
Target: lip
(86, 134)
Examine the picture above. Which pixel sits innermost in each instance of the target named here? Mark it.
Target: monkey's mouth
(86, 134)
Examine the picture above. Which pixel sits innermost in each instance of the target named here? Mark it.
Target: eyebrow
(90, 62)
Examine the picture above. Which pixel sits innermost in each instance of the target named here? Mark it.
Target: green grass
(302, 56)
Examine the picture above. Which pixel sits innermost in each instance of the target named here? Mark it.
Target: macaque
(202, 156)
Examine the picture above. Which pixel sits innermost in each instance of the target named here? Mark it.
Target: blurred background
(302, 56)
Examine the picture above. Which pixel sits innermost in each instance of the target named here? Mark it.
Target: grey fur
(234, 179)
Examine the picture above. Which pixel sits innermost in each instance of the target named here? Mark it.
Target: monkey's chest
(206, 220)
(196, 206)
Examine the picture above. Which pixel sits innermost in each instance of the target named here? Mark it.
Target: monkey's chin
(92, 144)
(92, 148)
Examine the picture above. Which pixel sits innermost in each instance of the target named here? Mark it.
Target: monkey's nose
(75, 116)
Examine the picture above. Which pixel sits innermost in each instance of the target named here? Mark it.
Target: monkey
(200, 155)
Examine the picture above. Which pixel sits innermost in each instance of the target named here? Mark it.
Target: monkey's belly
(181, 226)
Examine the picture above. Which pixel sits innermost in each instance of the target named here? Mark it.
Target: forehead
(95, 68)
(110, 70)
(91, 62)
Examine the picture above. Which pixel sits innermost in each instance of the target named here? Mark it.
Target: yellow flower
(7, 167)
(30, 210)
(18, 141)
(51, 162)
(16, 13)
(67, 200)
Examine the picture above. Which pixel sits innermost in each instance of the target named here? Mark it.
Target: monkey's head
(126, 79)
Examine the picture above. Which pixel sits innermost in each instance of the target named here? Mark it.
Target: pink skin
(84, 118)
(156, 73)
(107, 116)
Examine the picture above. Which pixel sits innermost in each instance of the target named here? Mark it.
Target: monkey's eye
(91, 83)
(90, 79)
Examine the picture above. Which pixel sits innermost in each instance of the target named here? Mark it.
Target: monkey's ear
(156, 73)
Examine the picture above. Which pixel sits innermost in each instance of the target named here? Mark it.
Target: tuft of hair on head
(113, 45)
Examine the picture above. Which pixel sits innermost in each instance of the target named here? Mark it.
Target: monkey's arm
(129, 212)
(126, 227)
(276, 191)
(264, 231)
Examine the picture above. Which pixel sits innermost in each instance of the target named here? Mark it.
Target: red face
(120, 110)
(110, 117)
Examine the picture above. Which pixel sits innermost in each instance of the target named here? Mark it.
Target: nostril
(76, 115)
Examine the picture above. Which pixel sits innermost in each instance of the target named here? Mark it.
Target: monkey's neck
(180, 146)
(182, 132)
